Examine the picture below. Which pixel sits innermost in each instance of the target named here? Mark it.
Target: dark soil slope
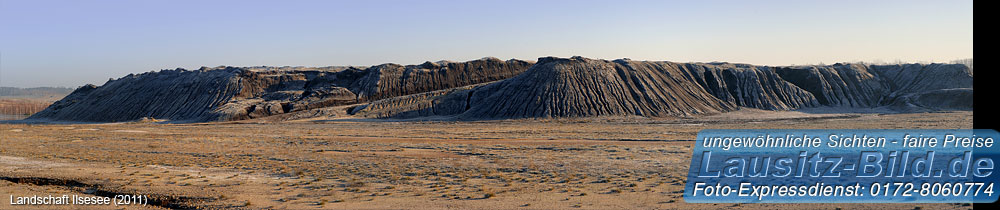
(231, 93)
(900, 86)
(749, 86)
(581, 87)
(391, 80)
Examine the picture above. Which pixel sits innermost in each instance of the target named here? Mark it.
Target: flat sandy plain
(595, 163)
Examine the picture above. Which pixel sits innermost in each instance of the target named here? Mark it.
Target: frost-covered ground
(590, 163)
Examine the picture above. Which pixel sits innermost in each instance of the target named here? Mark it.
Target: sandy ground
(597, 163)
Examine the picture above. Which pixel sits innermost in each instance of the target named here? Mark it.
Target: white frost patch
(9, 162)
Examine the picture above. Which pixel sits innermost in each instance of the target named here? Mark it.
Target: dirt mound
(435, 103)
(854, 85)
(170, 94)
(749, 86)
(838, 85)
(490, 88)
(581, 87)
(232, 93)
(934, 100)
(391, 80)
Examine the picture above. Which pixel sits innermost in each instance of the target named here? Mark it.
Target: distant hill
(49, 93)
(17, 103)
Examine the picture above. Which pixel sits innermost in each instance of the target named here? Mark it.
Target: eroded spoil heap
(494, 89)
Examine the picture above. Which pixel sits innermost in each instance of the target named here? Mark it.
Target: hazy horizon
(71, 43)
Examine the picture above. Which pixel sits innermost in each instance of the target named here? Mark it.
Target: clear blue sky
(71, 43)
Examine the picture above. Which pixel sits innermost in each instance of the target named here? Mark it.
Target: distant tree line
(35, 92)
(967, 62)
(22, 106)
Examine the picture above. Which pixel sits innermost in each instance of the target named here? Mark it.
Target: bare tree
(966, 62)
